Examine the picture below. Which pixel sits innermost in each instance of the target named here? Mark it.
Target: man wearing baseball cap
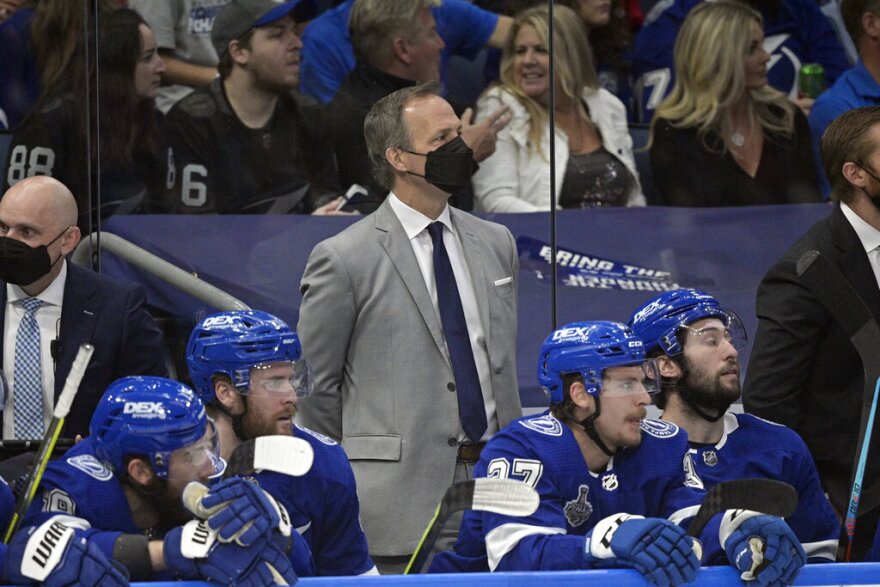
(245, 143)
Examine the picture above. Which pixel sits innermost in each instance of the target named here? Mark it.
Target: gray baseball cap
(240, 16)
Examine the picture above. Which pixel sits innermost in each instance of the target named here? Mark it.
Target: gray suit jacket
(382, 378)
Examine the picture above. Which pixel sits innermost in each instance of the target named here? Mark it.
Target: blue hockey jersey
(654, 479)
(323, 507)
(796, 34)
(80, 485)
(754, 448)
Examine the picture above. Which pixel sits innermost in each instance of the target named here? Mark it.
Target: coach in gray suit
(375, 325)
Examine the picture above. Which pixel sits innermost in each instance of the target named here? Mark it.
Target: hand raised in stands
(481, 137)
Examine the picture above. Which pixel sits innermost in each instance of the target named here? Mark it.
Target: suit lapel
(398, 248)
(854, 263)
(78, 317)
(474, 255)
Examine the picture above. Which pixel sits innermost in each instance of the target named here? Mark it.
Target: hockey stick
(501, 496)
(767, 496)
(851, 313)
(25, 445)
(62, 407)
(282, 454)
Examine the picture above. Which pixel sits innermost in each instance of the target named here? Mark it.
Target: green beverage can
(811, 80)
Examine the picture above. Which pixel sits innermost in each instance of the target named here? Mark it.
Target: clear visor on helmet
(631, 378)
(200, 460)
(716, 330)
(282, 378)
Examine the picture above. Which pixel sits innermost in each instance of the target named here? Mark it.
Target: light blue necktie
(28, 387)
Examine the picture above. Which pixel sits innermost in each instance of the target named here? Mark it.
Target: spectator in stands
(594, 159)
(803, 370)
(42, 51)
(724, 137)
(56, 306)
(183, 33)
(796, 32)
(54, 140)
(859, 86)
(246, 143)
(607, 30)
(327, 50)
(397, 46)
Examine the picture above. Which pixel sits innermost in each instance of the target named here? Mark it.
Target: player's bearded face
(165, 498)
(711, 379)
(271, 401)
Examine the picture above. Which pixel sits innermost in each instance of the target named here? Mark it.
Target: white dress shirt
(868, 236)
(49, 321)
(415, 224)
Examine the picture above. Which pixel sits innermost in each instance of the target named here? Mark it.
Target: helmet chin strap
(589, 426)
(236, 419)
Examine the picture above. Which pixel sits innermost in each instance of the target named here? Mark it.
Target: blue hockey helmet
(658, 321)
(233, 343)
(151, 417)
(588, 349)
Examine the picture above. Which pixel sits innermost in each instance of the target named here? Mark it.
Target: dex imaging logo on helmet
(145, 410)
(577, 333)
(219, 321)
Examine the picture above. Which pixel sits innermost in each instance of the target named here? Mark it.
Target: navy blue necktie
(467, 382)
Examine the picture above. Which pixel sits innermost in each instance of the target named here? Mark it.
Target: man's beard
(255, 426)
(707, 393)
(169, 506)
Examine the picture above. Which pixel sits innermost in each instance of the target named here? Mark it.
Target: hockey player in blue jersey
(695, 341)
(248, 368)
(50, 555)
(120, 490)
(597, 464)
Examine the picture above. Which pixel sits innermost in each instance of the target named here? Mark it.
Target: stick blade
(768, 496)
(281, 454)
(506, 497)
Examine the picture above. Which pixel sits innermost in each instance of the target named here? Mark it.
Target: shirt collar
(868, 235)
(865, 84)
(413, 221)
(52, 295)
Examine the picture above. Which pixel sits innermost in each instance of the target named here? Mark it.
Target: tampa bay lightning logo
(91, 466)
(659, 428)
(578, 510)
(710, 457)
(325, 439)
(545, 424)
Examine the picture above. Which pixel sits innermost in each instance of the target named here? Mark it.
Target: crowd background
(100, 115)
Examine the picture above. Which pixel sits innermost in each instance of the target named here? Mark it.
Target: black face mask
(873, 198)
(450, 167)
(22, 264)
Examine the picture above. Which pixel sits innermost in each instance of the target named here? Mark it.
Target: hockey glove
(238, 510)
(53, 555)
(192, 551)
(661, 551)
(763, 548)
(271, 568)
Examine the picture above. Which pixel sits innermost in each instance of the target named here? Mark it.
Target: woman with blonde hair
(594, 160)
(723, 137)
